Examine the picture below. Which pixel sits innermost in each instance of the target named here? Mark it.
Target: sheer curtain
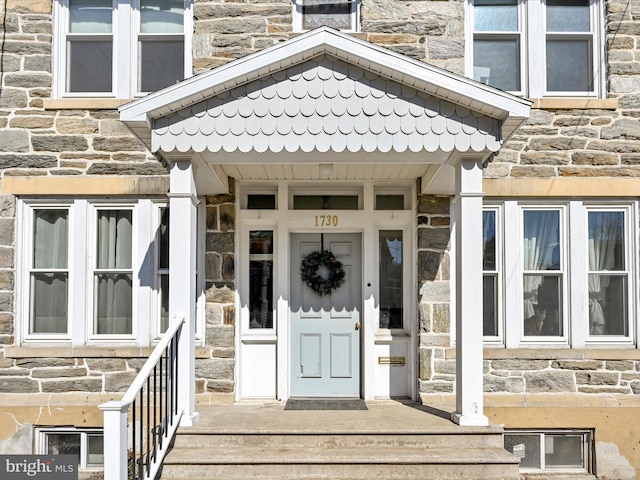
(540, 249)
(605, 236)
(49, 276)
(113, 278)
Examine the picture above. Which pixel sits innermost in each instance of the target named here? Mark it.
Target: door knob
(358, 325)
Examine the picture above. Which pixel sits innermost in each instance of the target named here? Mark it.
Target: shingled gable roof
(511, 111)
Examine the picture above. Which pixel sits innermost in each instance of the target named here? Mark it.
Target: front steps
(385, 442)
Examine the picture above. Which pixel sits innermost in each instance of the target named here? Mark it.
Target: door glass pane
(48, 303)
(527, 447)
(497, 63)
(161, 16)
(161, 63)
(495, 15)
(569, 66)
(90, 16)
(390, 277)
(50, 238)
(330, 13)
(568, 16)
(564, 451)
(261, 279)
(389, 202)
(90, 66)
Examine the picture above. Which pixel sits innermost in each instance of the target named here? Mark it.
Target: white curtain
(540, 241)
(113, 288)
(49, 288)
(605, 233)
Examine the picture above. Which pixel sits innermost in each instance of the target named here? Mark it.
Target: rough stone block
(228, 266)
(44, 362)
(59, 143)
(557, 143)
(78, 126)
(6, 256)
(220, 293)
(577, 364)
(492, 383)
(514, 384)
(118, 382)
(433, 205)
(429, 265)
(444, 366)
(28, 161)
(32, 123)
(519, 365)
(220, 242)
(63, 386)
(28, 80)
(434, 238)
(436, 387)
(106, 364)
(213, 264)
(550, 382)
(624, 129)
(113, 168)
(14, 141)
(117, 144)
(597, 378)
(220, 386)
(441, 318)
(438, 292)
(215, 369)
(425, 363)
(219, 336)
(227, 217)
(18, 385)
(58, 372)
(593, 158)
(544, 158)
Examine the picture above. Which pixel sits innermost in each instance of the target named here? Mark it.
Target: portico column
(183, 202)
(468, 243)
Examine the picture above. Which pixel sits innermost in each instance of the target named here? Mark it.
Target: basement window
(552, 450)
(87, 444)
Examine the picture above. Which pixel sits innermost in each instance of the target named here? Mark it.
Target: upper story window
(537, 47)
(568, 280)
(339, 14)
(94, 272)
(115, 48)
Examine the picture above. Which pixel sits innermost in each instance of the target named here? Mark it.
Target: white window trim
(298, 17)
(82, 236)
(575, 301)
(532, 31)
(499, 272)
(125, 49)
(41, 442)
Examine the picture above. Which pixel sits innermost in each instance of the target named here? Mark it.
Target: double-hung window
(94, 272)
(559, 274)
(339, 14)
(537, 47)
(115, 48)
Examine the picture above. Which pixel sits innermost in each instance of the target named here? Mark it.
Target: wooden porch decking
(390, 440)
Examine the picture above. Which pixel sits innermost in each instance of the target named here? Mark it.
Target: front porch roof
(325, 97)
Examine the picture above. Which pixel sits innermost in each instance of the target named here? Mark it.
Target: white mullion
(188, 38)
(512, 256)
(578, 280)
(78, 262)
(536, 48)
(144, 260)
(124, 43)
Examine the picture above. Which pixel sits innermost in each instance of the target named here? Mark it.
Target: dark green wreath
(309, 272)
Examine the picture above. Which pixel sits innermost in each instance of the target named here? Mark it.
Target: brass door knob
(358, 325)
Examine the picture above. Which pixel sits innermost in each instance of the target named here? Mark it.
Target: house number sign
(326, 220)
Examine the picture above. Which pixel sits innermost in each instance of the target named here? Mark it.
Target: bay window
(537, 47)
(567, 280)
(93, 272)
(111, 48)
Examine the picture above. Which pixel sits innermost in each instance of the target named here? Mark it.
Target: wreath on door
(310, 265)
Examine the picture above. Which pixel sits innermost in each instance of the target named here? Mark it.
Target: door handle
(357, 326)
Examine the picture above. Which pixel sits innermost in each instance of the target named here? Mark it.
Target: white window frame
(298, 17)
(41, 446)
(533, 37)
(498, 273)
(126, 26)
(575, 270)
(81, 261)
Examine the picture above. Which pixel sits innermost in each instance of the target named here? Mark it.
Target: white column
(183, 237)
(468, 241)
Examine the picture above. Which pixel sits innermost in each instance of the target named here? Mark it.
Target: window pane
(541, 247)
(161, 16)
(325, 202)
(495, 15)
(161, 63)
(390, 276)
(542, 305)
(164, 303)
(568, 16)
(63, 444)
(50, 238)
(114, 239)
(569, 66)
(261, 279)
(261, 202)
(564, 451)
(389, 202)
(606, 241)
(95, 450)
(497, 63)
(608, 305)
(163, 261)
(90, 16)
(527, 447)
(489, 240)
(49, 298)
(90, 66)
(113, 304)
(332, 13)
(489, 305)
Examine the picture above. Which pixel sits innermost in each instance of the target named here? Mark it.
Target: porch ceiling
(325, 98)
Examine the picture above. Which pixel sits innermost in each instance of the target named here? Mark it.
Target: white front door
(325, 329)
